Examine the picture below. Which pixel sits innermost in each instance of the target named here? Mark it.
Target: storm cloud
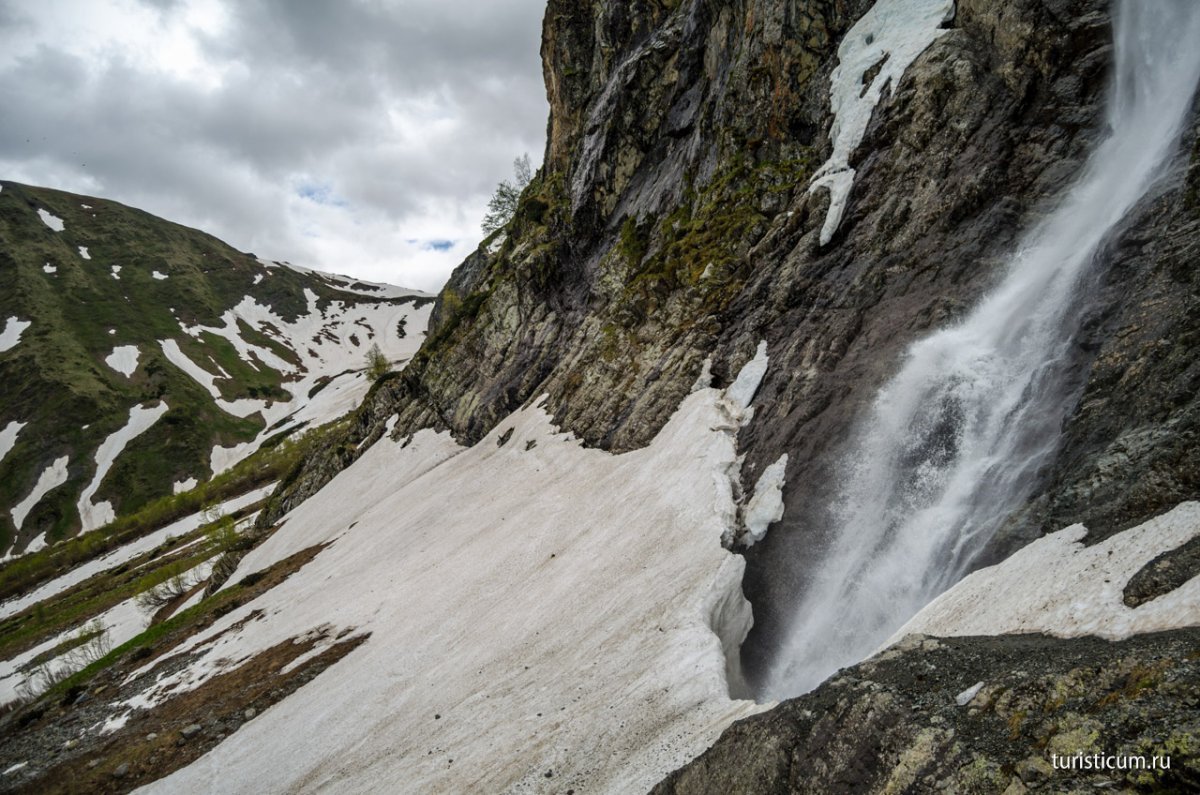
(358, 137)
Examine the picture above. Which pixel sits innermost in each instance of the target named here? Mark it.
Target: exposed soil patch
(58, 735)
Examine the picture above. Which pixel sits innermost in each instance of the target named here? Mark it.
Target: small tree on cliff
(377, 364)
(503, 205)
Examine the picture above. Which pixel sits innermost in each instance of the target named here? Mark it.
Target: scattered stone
(151, 737)
(121, 770)
(250, 713)
(191, 731)
(965, 697)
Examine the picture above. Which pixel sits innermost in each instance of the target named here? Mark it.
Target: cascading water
(952, 441)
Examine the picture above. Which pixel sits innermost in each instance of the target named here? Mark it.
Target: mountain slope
(141, 357)
(516, 554)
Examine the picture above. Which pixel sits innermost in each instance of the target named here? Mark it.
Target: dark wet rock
(1164, 574)
(892, 724)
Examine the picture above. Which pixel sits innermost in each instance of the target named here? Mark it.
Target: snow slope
(534, 607)
(1060, 587)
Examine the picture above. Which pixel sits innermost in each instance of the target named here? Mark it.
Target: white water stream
(951, 442)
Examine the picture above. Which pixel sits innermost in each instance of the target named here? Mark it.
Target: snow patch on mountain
(123, 359)
(51, 478)
(13, 329)
(8, 437)
(181, 486)
(141, 419)
(329, 342)
(83, 252)
(50, 220)
(889, 37)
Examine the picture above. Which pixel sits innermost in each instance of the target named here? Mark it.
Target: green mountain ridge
(108, 314)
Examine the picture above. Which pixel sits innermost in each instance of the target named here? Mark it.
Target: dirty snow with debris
(141, 419)
(561, 609)
(889, 37)
(1059, 586)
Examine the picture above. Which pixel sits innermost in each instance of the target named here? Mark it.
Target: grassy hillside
(115, 277)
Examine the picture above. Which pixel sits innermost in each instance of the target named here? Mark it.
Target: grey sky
(358, 136)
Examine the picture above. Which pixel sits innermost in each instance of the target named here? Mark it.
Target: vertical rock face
(673, 222)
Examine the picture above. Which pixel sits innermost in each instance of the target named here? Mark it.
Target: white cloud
(333, 135)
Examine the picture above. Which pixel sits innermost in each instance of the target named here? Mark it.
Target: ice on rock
(888, 37)
(766, 506)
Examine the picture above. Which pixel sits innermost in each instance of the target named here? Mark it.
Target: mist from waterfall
(951, 443)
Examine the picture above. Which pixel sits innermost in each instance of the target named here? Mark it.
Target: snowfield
(1060, 587)
(540, 615)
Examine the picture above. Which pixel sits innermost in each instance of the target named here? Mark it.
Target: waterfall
(949, 446)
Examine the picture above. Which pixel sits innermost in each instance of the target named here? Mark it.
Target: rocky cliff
(673, 222)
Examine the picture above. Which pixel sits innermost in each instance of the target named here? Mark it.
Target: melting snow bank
(540, 614)
(1060, 587)
(889, 37)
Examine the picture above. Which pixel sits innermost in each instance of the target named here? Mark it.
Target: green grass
(27, 572)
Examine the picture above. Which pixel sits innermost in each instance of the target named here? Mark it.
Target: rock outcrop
(1012, 714)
